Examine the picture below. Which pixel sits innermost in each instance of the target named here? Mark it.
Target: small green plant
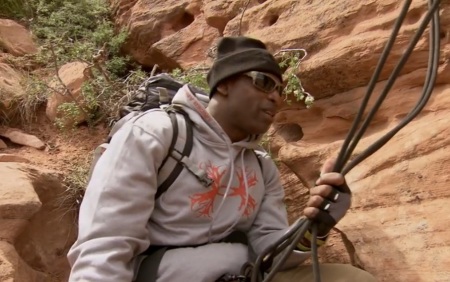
(67, 115)
(135, 78)
(90, 100)
(265, 143)
(117, 66)
(290, 60)
(195, 76)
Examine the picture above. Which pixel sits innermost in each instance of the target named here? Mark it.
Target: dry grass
(75, 181)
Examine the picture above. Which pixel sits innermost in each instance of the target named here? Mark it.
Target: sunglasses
(265, 82)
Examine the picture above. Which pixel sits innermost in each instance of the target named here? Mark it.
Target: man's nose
(275, 97)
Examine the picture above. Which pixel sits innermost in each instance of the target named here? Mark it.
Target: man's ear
(222, 89)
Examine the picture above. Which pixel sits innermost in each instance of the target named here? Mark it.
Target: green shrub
(77, 28)
(15, 9)
(290, 61)
(196, 77)
(74, 30)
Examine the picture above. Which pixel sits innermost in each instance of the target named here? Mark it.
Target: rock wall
(343, 39)
(397, 227)
(36, 225)
(401, 201)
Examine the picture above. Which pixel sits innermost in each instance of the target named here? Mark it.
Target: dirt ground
(65, 149)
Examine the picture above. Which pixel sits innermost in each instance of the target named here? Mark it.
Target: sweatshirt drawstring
(244, 174)
(225, 195)
(246, 197)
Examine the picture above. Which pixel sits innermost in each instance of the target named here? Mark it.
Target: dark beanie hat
(241, 54)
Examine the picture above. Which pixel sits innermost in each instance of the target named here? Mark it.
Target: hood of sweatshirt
(195, 105)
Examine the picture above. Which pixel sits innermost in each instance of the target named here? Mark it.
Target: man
(120, 218)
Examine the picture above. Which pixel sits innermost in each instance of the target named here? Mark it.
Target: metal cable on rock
(285, 245)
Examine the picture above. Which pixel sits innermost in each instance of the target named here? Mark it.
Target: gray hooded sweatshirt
(119, 217)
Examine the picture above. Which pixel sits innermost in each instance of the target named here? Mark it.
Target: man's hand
(329, 199)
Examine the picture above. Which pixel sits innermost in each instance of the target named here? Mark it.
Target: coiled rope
(288, 242)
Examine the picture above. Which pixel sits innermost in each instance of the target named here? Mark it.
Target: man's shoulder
(152, 120)
(264, 157)
(268, 165)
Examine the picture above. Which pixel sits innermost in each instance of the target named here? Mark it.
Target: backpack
(157, 92)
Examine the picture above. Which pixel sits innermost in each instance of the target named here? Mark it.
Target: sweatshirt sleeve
(118, 202)
(271, 221)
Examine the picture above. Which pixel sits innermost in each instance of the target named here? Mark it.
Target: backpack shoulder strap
(174, 121)
(181, 157)
(258, 156)
(186, 150)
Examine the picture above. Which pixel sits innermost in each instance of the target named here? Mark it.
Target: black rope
(347, 151)
(343, 155)
(287, 243)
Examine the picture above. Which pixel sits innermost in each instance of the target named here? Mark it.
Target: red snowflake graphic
(239, 191)
(203, 203)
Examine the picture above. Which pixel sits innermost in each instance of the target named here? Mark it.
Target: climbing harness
(284, 246)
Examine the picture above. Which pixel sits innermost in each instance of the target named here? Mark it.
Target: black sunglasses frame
(254, 75)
